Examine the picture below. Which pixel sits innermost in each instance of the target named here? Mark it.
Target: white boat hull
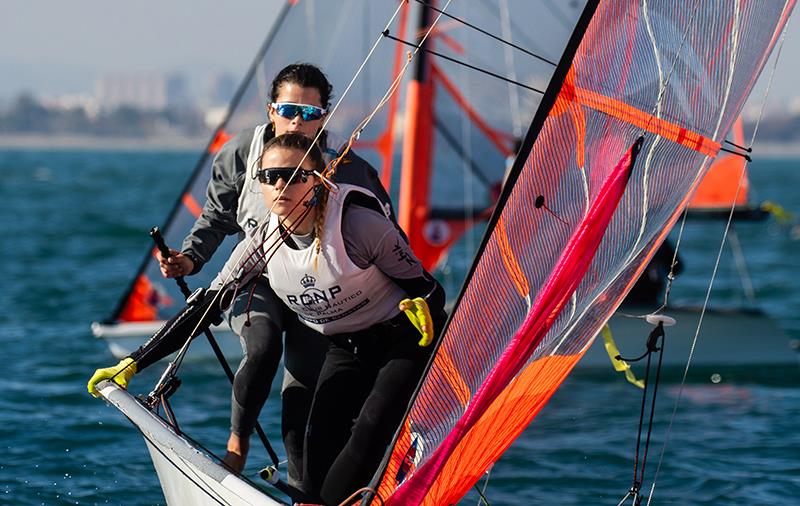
(187, 475)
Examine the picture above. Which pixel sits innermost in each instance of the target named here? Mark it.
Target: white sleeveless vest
(337, 296)
(251, 208)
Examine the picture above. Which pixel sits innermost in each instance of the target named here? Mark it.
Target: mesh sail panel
(675, 75)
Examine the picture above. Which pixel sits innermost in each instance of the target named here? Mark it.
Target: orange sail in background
(718, 189)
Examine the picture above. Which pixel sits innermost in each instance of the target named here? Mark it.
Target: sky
(57, 46)
(53, 47)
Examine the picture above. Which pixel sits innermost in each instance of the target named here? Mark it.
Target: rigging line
(731, 151)
(716, 265)
(392, 87)
(470, 162)
(482, 493)
(696, 335)
(440, 55)
(743, 148)
(495, 37)
(673, 263)
(254, 257)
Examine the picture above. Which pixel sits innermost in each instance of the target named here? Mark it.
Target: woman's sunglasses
(271, 176)
(289, 110)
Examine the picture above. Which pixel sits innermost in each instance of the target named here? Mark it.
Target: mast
(415, 180)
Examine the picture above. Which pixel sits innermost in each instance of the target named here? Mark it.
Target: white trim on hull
(123, 338)
(187, 475)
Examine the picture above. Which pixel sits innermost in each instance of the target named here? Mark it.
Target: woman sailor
(338, 262)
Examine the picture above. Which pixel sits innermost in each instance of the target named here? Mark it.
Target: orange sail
(726, 182)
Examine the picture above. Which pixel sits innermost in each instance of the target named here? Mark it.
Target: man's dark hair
(305, 75)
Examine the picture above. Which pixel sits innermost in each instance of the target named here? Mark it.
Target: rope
(473, 67)
(638, 472)
(328, 118)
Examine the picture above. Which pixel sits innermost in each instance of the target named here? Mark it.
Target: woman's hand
(176, 265)
(417, 311)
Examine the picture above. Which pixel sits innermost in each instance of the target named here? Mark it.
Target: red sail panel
(143, 302)
(726, 182)
(564, 279)
(504, 420)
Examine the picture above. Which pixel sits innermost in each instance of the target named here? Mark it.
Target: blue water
(74, 228)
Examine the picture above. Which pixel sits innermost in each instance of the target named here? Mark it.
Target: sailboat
(626, 112)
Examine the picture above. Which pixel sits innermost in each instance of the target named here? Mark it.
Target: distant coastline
(83, 142)
(197, 143)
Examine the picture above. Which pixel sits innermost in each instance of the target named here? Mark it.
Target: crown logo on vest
(307, 281)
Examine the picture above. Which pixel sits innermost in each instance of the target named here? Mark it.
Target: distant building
(148, 91)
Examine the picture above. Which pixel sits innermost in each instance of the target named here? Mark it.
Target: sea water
(74, 228)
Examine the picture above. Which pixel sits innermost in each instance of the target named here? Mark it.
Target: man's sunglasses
(271, 176)
(289, 110)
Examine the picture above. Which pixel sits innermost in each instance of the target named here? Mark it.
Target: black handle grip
(155, 233)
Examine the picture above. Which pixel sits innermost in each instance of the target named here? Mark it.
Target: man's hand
(176, 265)
(420, 316)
